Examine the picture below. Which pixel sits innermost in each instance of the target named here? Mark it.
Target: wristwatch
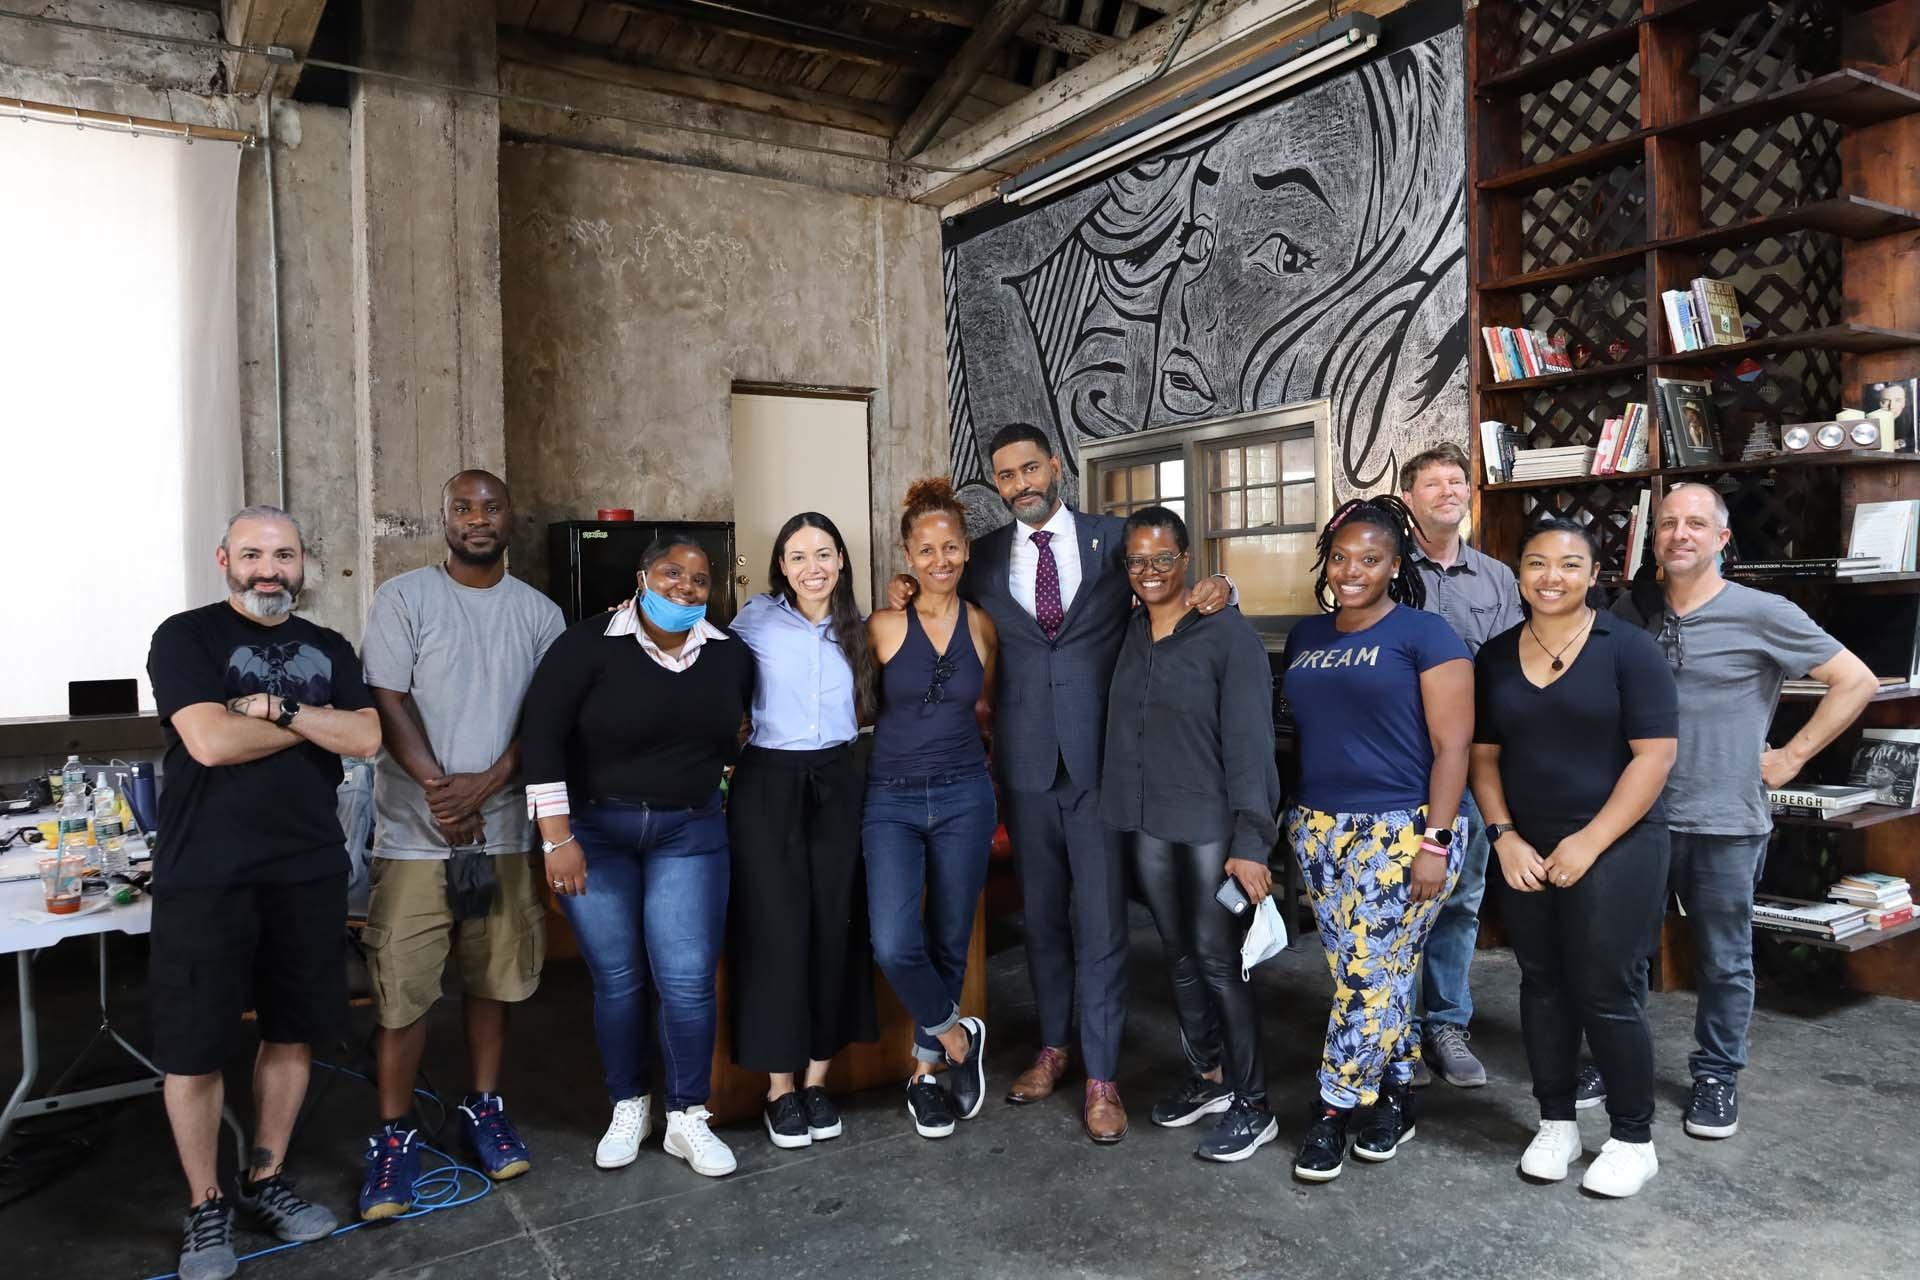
(288, 710)
(1442, 836)
(1497, 830)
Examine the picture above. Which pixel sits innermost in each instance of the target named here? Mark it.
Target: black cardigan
(614, 724)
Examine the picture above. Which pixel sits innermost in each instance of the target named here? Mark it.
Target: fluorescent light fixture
(1337, 42)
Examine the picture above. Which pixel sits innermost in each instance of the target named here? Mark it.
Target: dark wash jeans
(655, 907)
(926, 840)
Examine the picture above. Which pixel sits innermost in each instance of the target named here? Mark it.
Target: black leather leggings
(1219, 1023)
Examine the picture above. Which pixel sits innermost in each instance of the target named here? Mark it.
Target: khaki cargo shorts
(410, 929)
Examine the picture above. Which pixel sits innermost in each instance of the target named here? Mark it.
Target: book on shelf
(1828, 800)
(1880, 884)
(1689, 422)
(1888, 760)
(1637, 532)
(1901, 398)
(1833, 920)
(1829, 567)
(1622, 445)
(1524, 353)
(1704, 314)
(1852, 895)
(1887, 531)
(1498, 445)
(1553, 464)
(1889, 917)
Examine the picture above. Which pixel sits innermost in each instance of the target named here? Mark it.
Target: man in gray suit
(1053, 583)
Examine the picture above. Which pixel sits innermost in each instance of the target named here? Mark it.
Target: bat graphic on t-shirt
(285, 669)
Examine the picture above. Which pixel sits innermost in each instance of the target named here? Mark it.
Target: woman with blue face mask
(628, 727)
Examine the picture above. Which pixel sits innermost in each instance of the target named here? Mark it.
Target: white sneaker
(1621, 1169)
(1553, 1148)
(689, 1138)
(620, 1144)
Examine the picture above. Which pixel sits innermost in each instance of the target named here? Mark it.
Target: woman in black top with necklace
(1189, 778)
(1574, 732)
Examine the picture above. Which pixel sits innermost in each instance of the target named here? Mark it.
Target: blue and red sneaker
(393, 1166)
(493, 1138)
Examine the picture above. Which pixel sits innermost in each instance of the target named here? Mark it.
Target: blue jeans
(656, 904)
(926, 839)
(1444, 990)
(1715, 877)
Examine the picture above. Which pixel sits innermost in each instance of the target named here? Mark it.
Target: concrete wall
(636, 293)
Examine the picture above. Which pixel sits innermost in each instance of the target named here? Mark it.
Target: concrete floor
(1820, 1181)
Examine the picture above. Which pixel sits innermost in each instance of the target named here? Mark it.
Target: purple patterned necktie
(1047, 609)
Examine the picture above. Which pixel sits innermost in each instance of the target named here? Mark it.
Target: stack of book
(1829, 920)
(1815, 800)
(1705, 314)
(1818, 567)
(1553, 464)
(1887, 900)
(1499, 443)
(1524, 353)
(1623, 443)
(1805, 684)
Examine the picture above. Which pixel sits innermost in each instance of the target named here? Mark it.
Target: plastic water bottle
(73, 821)
(73, 777)
(109, 833)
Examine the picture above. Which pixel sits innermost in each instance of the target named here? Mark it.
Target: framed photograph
(1901, 398)
(1690, 425)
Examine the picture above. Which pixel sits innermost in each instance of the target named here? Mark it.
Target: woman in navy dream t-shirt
(1382, 700)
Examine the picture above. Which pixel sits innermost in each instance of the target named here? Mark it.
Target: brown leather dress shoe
(1105, 1116)
(1038, 1081)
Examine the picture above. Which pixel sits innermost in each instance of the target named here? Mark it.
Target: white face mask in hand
(1266, 937)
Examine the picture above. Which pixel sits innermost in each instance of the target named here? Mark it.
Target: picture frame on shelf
(1689, 423)
(1901, 398)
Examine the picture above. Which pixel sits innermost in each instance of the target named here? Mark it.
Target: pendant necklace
(1557, 663)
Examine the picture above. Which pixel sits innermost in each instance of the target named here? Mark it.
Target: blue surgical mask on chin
(669, 616)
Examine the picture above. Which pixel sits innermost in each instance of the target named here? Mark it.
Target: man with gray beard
(249, 869)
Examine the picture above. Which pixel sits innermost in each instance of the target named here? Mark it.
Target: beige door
(794, 454)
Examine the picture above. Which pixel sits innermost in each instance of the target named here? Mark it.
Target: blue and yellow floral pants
(1356, 867)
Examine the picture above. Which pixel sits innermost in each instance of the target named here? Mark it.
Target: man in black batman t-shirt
(250, 873)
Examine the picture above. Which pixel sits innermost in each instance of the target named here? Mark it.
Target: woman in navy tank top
(930, 813)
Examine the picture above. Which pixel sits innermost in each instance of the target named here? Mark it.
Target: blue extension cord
(435, 1189)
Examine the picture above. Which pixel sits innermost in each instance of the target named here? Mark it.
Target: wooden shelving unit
(1619, 148)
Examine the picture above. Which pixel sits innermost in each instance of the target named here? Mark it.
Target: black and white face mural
(1313, 248)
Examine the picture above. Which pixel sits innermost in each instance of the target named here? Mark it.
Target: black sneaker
(1247, 1127)
(285, 1212)
(927, 1104)
(1196, 1096)
(1589, 1090)
(206, 1253)
(968, 1080)
(1324, 1150)
(1389, 1124)
(1715, 1109)
(823, 1118)
(787, 1122)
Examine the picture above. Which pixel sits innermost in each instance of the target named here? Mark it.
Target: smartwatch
(1498, 829)
(288, 710)
(1442, 836)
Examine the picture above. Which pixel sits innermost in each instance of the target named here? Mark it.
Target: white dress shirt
(1025, 565)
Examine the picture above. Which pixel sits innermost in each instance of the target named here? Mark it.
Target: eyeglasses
(943, 669)
(1671, 643)
(1164, 561)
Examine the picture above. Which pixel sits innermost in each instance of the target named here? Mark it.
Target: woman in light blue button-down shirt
(801, 971)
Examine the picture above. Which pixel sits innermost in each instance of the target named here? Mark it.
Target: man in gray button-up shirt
(1478, 597)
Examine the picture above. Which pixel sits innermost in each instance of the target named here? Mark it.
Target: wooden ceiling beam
(1048, 33)
(788, 33)
(997, 25)
(287, 23)
(658, 73)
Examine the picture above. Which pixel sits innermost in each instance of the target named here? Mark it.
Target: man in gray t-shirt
(1731, 647)
(449, 652)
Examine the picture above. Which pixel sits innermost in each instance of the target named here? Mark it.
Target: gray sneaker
(1451, 1060)
(207, 1251)
(287, 1214)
